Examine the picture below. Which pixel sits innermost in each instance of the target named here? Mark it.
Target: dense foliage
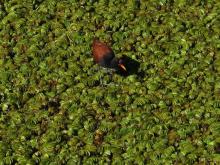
(57, 107)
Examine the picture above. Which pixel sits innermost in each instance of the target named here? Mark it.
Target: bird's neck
(114, 63)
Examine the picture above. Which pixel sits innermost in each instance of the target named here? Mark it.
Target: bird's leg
(107, 72)
(111, 75)
(95, 69)
(101, 79)
(98, 71)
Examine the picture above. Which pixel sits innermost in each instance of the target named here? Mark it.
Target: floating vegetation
(58, 107)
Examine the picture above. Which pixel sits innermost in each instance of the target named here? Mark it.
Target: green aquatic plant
(58, 107)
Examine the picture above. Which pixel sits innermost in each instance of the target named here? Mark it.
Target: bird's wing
(102, 53)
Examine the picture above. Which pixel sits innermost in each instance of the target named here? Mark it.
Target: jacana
(105, 57)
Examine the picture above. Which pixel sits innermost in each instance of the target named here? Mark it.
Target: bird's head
(121, 65)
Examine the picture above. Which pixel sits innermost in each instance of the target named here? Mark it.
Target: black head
(118, 64)
(125, 65)
(122, 65)
(131, 66)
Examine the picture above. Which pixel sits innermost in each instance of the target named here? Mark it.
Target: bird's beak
(123, 67)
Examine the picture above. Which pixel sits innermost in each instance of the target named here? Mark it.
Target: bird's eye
(120, 61)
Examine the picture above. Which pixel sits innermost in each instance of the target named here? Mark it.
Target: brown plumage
(104, 56)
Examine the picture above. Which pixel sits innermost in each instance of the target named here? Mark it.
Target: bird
(104, 56)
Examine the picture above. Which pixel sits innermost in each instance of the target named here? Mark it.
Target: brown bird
(104, 56)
